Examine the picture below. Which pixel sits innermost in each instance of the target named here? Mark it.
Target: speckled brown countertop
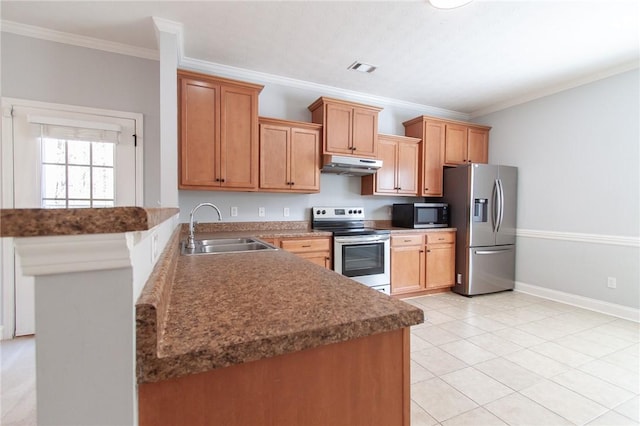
(198, 313)
(46, 222)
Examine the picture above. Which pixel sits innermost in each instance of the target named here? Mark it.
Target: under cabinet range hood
(350, 166)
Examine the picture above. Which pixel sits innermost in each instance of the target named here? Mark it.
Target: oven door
(363, 258)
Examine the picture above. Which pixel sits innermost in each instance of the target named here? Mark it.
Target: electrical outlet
(611, 282)
(261, 211)
(234, 211)
(285, 212)
(155, 249)
(389, 211)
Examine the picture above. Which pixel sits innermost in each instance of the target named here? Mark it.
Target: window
(73, 157)
(77, 173)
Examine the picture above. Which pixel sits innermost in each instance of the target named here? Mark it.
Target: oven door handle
(362, 239)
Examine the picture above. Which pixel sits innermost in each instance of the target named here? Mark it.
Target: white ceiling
(470, 60)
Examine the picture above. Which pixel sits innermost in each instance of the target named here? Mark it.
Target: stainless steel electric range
(360, 253)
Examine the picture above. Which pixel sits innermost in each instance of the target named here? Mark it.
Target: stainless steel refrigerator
(482, 206)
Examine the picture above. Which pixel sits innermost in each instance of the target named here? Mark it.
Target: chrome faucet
(191, 239)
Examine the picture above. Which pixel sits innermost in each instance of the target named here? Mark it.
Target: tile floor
(506, 358)
(515, 359)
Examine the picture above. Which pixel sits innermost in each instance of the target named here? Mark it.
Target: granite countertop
(49, 222)
(198, 313)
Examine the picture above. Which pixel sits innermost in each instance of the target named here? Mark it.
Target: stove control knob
(350, 211)
(359, 211)
(317, 211)
(324, 212)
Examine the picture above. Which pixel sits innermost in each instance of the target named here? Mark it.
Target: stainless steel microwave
(420, 215)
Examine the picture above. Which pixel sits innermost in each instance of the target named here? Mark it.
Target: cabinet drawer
(315, 244)
(406, 240)
(441, 237)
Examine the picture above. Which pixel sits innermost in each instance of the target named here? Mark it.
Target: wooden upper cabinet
(465, 144)
(399, 172)
(218, 132)
(455, 144)
(431, 156)
(349, 128)
(478, 145)
(289, 156)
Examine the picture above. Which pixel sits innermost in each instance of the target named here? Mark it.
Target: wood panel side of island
(364, 381)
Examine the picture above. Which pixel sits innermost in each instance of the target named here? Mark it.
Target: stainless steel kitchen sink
(226, 245)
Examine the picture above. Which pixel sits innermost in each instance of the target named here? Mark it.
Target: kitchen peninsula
(249, 338)
(268, 338)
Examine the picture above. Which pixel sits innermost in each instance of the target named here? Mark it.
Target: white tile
(539, 364)
(518, 337)
(477, 416)
(612, 374)
(419, 373)
(435, 335)
(436, 317)
(630, 409)
(419, 417)
(440, 400)
(506, 318)
(620, 331)
(604, 393)
(604, 339)
(586, 347)
(494, 344)
(479, 387)
(485, 323)
(625, 358)
(566, 403)
(516, 410)
(430, 303)
(611, 418)
(461, 329)
(542, 330)
(456, 312)
(467, 352)
(508, 373)
(561, 354)
(437, 361)
(418, 344)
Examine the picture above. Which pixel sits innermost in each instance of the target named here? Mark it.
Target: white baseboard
(608, 308)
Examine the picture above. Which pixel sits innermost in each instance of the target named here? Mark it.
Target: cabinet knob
(221, 180)
(217, 180)
(293, 183)
(426, 189)
(353, 148)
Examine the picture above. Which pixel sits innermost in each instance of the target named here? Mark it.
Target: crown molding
(619, 69)
(162, 25)
(77, 40)
(75, 253)
(326, 90)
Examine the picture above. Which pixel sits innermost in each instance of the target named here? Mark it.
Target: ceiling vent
(362, 67)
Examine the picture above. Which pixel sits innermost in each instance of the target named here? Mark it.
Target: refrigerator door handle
(495, 206)
(491, 251)
(501, 204)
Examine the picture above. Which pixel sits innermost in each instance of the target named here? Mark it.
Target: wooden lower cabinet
(422, 262)
(316, 250)
(364, 381)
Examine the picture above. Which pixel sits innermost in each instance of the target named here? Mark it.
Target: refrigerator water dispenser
(480, 210)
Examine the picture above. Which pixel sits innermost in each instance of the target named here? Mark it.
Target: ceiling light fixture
(448, 4)
(362, 67)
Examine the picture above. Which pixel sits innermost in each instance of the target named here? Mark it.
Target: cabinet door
(407, 269)
(432, 158)
(478, 145)
(319, 258)
(239, 138)
(199, 133)
(338, 129)
(385, 177)
(455, 151)
(440, 266)
(407, 168)
(365, 133)
(274, 142)
(305, 160)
